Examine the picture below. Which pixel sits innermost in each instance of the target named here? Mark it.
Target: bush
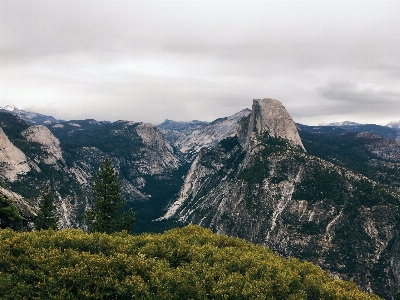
(186, 263)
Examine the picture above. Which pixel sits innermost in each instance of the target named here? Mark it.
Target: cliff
(262, 186)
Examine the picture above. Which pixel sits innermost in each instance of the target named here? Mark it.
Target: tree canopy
(46, 217)
(9, 214)
(108, 214)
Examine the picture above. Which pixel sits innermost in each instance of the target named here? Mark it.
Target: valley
(325, 194)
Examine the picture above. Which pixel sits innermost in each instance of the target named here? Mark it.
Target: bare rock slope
(49, 143)
(192, 136)
(13, 161)
(262, 186)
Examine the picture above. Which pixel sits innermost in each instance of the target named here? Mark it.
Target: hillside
(187, 263)
(66, 156)
(190, 137)
(261, 185)
(373, 156)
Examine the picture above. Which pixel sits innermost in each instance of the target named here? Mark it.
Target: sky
(148, 61)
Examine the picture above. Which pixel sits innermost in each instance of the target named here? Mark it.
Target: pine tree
(46, 217)
(108, 214)
(9, 214)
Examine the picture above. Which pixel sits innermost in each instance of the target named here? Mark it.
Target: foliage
(187, 263)
(46, 217)
(108, 214)
(351, 152)
(9, 214)
(2, 184)
(259, 167)
(162, 190)
(319, 184)
(116, 138)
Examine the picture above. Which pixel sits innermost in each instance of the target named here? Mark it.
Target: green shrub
(186, 263)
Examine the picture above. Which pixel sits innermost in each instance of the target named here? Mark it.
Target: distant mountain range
(31, 118)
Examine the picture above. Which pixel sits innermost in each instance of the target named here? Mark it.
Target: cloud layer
(152, 60)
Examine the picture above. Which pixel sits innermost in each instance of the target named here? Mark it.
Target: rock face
(50, 144)
(13, 161)
(262, 186)
(158, 152)
(190, 137)
(210, 135)
(269, 115)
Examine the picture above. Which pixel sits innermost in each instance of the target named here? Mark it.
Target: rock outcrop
(13, 161)
(159, 155)
(212, 134)
(269, 115)
(49, 143)
(190, 137)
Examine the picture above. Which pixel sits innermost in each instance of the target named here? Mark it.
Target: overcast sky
(154, 60)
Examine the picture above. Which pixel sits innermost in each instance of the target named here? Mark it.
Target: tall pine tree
(46, 217)
(108, 214)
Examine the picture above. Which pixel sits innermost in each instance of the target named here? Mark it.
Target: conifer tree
(46, 217)
(9, 214)
(108, 214)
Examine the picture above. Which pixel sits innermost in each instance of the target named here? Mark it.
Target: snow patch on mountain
(31, 118)
(394, 124)
(343, 123)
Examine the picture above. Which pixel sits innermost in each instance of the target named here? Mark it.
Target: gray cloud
(151, 60)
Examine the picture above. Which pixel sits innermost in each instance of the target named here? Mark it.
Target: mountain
(373, 156)
(261, 185)
(66, 156)
(190, 137)
(394, 124)
(340, 124)
(384, 131)
(31, 118)
(184, 127)
(328, 194)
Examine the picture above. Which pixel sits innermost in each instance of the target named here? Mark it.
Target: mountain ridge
(267, 189)
(335, 205)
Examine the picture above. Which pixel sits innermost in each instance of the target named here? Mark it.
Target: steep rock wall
(13, 161)
(49, 143)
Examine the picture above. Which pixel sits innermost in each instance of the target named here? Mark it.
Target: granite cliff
(263, 186)
(190, 137)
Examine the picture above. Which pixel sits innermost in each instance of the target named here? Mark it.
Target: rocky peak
(9, 108)
(269, 115)
(50, 144)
